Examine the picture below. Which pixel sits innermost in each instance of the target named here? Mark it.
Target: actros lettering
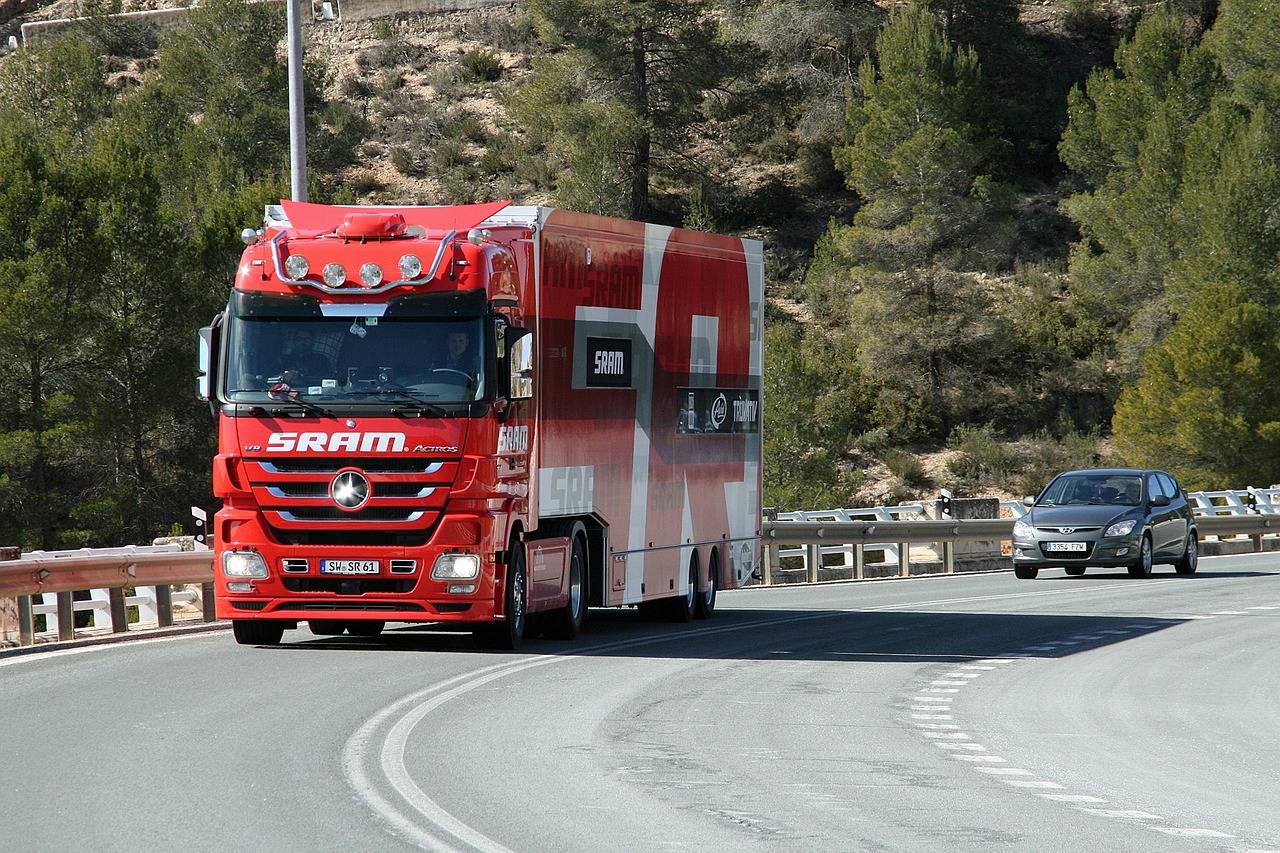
(323, 442)
(610, 363)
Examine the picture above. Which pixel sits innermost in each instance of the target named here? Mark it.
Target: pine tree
(918, 156)
(1207, 407)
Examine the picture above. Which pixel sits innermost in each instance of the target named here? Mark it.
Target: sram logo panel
(323, 442)
(609, 363)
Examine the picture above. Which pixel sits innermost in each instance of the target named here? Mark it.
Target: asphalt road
(966, 713)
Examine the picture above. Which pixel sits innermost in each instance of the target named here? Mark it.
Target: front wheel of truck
(257, 633)
(508, 634)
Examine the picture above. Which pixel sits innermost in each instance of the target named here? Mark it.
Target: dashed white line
(1004, 771)
(1031, 783)
(1072, 798)
(933, 699)
(939, 690)
(947, 735)
(1228, 613)
(932, 717)
(1192, 832)
(988, 759)
(949, 683)
(972, 747)
(1128, 814)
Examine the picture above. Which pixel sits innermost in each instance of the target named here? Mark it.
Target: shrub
(983, 458)
(461, 124)
(906, 467)
(364, 183)
(501, 154)
(443, 80)
(448, 153)
(403, 161)
(481, 65)
(515, 34)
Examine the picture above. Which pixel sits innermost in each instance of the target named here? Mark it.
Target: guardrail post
(119, 613)
(66, 616)
(949, 556)
(206, 598)
(164, 605)
(904, 559)
(26, 621)
(813, 560)
(859, 559)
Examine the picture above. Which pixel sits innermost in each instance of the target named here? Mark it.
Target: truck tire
(508, 634)
(365, 628)
(682, 608)
(707, 598)
(327, 627)
(565, 623)
(250, 632)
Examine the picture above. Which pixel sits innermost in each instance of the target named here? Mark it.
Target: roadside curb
(114, 639)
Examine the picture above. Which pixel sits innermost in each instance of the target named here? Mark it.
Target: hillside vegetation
(1002, 239)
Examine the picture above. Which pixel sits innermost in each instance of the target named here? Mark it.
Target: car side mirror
(520, 363)
(1028, 501)
(1159, 500)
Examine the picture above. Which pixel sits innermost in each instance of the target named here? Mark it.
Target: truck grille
(348, 586)
(406, 498)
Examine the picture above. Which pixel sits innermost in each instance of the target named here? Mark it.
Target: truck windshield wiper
(305, 405)
(423, 405)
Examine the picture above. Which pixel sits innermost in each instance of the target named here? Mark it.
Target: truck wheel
(682, 608)
(249, 632)
(565, 623)
(508, 634)
(327, 627)
(362, 628)
(707, 599)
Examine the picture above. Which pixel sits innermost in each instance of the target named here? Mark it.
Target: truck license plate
(349, 567)
(1066, 546)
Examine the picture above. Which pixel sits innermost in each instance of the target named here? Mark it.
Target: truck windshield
(355, 359)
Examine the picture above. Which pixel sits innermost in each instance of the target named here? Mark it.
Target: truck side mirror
(520, 363)
(204, 362)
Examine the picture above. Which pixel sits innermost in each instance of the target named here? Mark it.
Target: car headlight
(243, 564)
(1121, 528)
(1022, 530)
(456, 567)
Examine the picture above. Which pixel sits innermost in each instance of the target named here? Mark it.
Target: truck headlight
(1022, 530)
(1121, 528)
(243, 564)
(456, 567)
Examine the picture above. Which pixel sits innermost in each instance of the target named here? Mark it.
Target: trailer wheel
(565, 623)
(707, 599)
(327, 627)
(508, 634)
(681, 609)
(249, 632)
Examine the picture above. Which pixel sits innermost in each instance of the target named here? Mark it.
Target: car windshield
(355, 359)
(1094, 489)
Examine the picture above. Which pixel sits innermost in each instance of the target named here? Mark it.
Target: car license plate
(1066, 546)
(349, 567)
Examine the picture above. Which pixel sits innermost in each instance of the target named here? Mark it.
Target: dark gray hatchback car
(1126, 518)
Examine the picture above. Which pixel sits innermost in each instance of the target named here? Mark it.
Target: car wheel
(1075, 571)
(364, 628)
(567, 621)
(327, 627)
(1026, 573)
(1190, 560)
(1142, 568)
(508, 634)
(249, 632)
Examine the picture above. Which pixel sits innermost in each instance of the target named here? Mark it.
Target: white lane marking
(933, 699)
(1030, 783)
(1228, 613)
(1130, 814)
(939, 690)
(994, 660)
(416, 706)
(102, 647)
(1004, 771)
(949, 683)
(962, 675)
(947, 735)
(1266, 607)
(936, 726)
(1192, 832)
(1073, 798)
(975, 666)
(989, 759)
(1197, 617)
(972, 747)
(931, 716)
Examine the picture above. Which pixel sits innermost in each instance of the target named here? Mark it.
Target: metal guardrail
(61, 573)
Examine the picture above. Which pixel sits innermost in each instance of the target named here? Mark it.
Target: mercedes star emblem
(349, 490)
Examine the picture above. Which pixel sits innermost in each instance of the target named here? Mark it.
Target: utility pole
(297, 117)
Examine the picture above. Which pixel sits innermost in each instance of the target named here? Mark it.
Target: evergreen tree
(1207, 407)
(918, 156)
(615, 106)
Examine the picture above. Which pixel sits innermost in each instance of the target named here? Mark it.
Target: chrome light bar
(426, 276)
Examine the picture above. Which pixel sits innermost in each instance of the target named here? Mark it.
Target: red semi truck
(482, 414)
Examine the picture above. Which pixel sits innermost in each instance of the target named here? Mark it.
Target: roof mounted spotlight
(476, 236)
(249, 236)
